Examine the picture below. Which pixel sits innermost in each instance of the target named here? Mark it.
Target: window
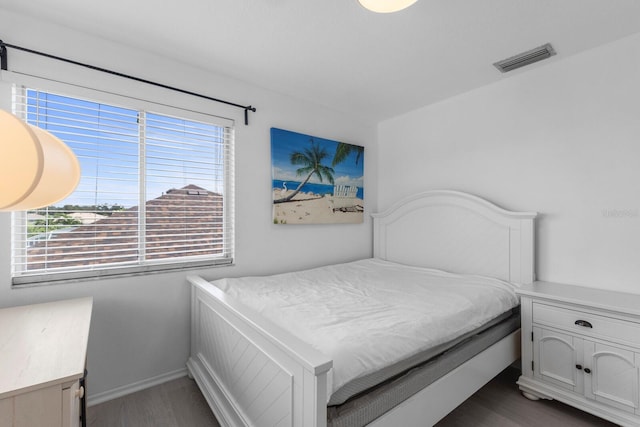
(156, 192)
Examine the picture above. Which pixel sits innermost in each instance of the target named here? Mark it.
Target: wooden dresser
(581, 346)
(43, 350)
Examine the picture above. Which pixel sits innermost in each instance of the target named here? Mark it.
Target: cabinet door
(6, 411)
(613, 377)
(38, 408)
(555, 357)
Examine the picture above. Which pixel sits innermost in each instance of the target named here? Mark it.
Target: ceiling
(337, 54)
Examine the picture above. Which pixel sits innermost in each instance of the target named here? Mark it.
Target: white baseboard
(105, 396)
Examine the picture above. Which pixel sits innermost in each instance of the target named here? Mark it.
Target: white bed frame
(253, 373)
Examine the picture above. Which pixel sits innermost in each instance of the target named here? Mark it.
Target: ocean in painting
(312, 188)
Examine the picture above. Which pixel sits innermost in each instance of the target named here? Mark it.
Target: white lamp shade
(36, 168)
(386, 6)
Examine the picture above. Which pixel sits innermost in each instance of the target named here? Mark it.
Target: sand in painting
(309, 208)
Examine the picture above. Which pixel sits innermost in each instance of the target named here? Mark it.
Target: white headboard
(457, 232)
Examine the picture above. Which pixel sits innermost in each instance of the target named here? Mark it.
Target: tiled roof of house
(181, 222)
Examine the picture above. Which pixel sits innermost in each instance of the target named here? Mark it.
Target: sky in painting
(284, 142)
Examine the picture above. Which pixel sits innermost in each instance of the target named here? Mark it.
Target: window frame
(144, 266)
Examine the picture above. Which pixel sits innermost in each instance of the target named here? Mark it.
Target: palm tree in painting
(310, 161)
(343, 150)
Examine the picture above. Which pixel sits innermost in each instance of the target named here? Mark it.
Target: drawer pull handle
(584, 323)
(587, 370)
(578, 366)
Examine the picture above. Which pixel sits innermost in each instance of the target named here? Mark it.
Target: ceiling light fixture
(386, 6)
(36, 168)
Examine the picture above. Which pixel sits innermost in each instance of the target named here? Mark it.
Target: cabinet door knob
(584, 323)
(80, 392)
(578, 366)
(587, 370)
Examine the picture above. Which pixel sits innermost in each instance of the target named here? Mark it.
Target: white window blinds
(156, 192)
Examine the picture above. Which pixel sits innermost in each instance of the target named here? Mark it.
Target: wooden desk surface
(43, 344)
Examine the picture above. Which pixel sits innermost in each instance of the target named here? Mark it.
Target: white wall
(562, 139)
(140, 327)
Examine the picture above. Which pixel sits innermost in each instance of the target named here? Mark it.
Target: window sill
(46, 279)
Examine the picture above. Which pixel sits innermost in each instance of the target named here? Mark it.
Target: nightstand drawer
(587, 324)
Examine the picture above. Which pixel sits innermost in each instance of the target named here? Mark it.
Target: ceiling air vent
(525, 58)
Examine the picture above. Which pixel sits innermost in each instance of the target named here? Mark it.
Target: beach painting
(316, 180)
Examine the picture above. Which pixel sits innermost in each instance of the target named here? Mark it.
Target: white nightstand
(581, 346)
(43, 351)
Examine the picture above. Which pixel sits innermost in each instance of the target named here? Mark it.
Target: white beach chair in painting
(344, 197)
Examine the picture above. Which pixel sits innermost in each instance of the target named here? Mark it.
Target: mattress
(366, 382)
(369, 316)
(364, 408)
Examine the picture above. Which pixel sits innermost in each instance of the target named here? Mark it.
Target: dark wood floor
(179, 403)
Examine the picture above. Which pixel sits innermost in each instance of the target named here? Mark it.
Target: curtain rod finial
(246, 113)
(3, 55)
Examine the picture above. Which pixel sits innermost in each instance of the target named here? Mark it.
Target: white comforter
(369, 314)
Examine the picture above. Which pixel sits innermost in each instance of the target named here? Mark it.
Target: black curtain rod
(4, 61)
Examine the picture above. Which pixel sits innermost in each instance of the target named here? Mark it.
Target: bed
(255, 371)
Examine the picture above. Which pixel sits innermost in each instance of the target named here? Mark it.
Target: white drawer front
(601, 326)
